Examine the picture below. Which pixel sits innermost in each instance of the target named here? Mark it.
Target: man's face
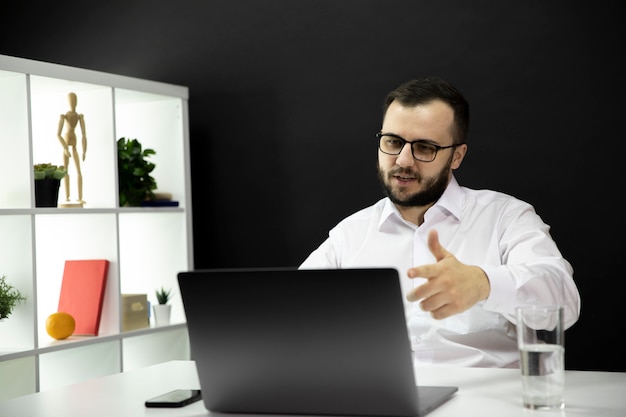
(407, 181)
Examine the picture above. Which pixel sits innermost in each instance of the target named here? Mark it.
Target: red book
(82, 293)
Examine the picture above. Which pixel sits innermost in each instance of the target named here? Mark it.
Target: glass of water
(540, 338)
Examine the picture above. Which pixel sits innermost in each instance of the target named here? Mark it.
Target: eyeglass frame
(379, 136)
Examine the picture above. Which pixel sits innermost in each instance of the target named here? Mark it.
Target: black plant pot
(47, 192)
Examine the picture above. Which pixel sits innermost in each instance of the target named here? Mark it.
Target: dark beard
(433, 190)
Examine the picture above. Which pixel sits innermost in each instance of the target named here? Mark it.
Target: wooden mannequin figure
(70, 120)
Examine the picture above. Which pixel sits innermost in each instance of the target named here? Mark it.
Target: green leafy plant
(49, 171)
(135, 182)
(163, 295)
(9, 298)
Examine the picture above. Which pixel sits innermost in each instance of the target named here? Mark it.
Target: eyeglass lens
(421, 150)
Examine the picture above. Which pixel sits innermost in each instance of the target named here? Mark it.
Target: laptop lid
(289, 341)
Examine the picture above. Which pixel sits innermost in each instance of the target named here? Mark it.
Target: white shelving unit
(146, 247)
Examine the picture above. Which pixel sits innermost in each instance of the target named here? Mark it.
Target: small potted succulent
(9, 298)
(47, 182)
(163, 295)
(162, 310)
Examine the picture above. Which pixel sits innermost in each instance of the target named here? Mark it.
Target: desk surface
(482, 392)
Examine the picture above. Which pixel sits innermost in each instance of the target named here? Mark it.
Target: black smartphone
(176, 398)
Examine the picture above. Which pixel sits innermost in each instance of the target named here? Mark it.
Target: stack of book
(160, 200)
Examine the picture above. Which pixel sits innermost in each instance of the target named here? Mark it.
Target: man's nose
(405, 158)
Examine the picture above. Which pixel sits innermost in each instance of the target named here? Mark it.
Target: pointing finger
(422, 271)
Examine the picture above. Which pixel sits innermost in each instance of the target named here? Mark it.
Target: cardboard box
(135, 312)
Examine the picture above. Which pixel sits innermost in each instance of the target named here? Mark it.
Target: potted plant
(9, 298)
(162, 310)
(135, 182)
(163, 295)
(47, 181)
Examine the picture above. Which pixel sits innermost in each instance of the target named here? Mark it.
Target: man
(467, 258)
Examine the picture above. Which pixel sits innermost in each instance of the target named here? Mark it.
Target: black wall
(285, 98)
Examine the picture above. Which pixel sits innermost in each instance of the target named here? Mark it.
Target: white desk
(482, 393)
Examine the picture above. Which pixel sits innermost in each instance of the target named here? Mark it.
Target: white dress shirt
(497, 232)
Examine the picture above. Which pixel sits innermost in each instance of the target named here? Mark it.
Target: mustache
(404, 172)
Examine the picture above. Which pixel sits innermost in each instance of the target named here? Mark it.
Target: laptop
(290, 341)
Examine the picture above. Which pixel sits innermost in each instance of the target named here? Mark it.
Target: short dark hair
(424, 90)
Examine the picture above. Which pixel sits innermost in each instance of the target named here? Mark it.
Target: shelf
(78, 341)
(64, 211)
(146, 246)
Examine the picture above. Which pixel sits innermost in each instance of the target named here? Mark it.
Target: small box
(135, 312)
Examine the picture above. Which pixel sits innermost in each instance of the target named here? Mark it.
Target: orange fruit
(60, 325)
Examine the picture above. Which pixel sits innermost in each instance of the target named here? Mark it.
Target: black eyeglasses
(420, 149)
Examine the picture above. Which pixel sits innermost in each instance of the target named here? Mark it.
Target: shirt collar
(450, 201)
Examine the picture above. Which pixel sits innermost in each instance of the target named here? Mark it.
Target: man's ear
(459, 155)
